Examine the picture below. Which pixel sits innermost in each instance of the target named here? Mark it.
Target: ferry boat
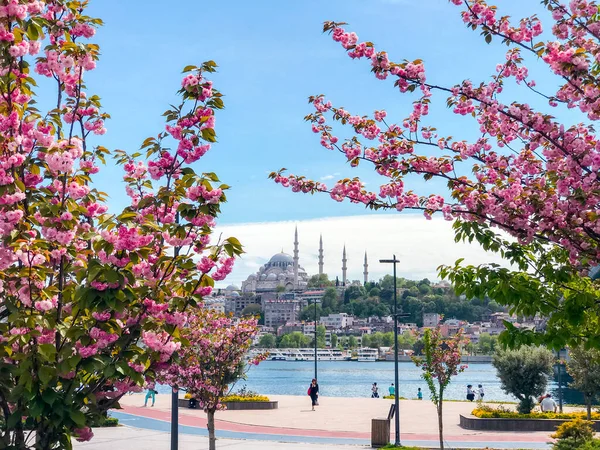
(305, 354)
(366, 354)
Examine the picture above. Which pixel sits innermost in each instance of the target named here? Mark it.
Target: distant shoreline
(401, 358)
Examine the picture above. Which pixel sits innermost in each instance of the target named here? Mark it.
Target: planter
(234, 406)
(475, 423)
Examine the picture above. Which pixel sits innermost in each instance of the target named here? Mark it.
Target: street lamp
(315, 302)
(559, 368)
(396, 399)
(174, 418)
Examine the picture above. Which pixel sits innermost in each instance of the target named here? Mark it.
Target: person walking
(374, 391)
(480, 393)
(313, 392)
(419, 394)
(392, 390)
(470, 393)
(150, 393)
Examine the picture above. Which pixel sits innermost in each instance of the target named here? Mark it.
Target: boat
(306, 354)
(366, 354)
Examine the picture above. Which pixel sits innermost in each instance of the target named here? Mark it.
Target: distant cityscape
(357, 314)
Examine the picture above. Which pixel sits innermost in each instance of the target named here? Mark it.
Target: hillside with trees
(414, 297)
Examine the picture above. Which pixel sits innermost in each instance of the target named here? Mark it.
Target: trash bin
(380, 432)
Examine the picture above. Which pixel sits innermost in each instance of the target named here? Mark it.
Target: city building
(310, 297)
(280, 312)
(431, 320)
(338, 321)
(290, 327)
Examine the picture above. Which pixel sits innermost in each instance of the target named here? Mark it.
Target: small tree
(252, 310)
(441, 361)
(584, 367)
(334, 340)
(352, 342)
(524, 373)
(213, 360)
(267, 341)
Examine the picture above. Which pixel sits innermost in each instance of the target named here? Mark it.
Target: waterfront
(354, 379)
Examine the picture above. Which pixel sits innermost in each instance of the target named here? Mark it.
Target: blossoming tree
(91, 301)
(526, 173)
(439, 363)
(213, 360)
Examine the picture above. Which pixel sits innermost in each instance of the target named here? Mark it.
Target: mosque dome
(235, 294)
(272, 277)
(281, 258)
(232, 287)
(252, 277)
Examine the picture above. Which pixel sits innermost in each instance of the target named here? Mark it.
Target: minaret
(321, 255)
(344, 268)
(296, 258)
(366, 271)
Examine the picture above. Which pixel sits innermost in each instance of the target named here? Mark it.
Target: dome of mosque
(232, 287)
(281, 258)
(272, 277)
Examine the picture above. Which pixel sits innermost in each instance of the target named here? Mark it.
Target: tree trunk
(440, 423)
(212, 444)
(588, 405)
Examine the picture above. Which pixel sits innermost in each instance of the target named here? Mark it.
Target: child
(419, 394)
(480, 393)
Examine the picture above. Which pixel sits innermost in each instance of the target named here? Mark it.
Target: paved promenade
(337, 421)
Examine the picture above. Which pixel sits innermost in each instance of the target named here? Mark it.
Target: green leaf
(49, 396)
(48, 351)
(78, 418)
(46, 374)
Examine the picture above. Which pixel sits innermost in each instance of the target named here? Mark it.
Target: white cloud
(330, 177)
(421, 245)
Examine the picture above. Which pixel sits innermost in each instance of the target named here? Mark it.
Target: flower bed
(503, 413)
(250, 398)
(503, 419)
(240, 400)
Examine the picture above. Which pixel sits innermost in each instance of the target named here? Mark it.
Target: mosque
(285, 270)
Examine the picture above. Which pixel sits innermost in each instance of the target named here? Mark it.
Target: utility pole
(396, 398)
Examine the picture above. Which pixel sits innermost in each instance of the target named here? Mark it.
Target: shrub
(524, 373)
(573, 435)
(593, 444)
(391, 397)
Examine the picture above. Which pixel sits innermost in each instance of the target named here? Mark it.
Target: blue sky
(272, 56)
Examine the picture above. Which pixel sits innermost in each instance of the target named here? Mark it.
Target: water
(354, 379)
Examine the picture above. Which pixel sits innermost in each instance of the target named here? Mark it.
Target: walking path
(336, 421)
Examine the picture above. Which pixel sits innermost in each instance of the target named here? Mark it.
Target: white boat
(278, 355)
(366, 354)
(306, 354)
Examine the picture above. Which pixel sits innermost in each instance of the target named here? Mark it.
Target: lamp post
(315, 339)
(174, 419)
(396, 399)
(559, 373)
